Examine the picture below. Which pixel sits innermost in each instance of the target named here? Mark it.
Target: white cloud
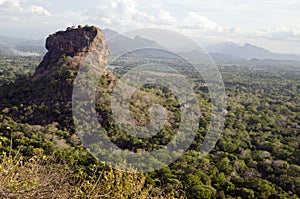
(283, 33)
(125, 13)
(10, 5)
(120, 13)
(13, 9)
(38, 10)
(197, 21)
(212, 20)
(164, 17)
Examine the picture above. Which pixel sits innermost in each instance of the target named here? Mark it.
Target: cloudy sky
(273, 24)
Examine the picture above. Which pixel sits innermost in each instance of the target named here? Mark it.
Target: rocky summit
(70, 48)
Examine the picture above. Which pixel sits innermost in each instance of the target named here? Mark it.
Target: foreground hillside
(41, 156)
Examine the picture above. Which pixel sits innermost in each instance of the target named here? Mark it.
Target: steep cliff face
(46, 97)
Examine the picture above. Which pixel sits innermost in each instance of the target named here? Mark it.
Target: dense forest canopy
(257, 155)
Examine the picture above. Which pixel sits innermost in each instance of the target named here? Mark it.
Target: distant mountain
(21, 46)
(217, 48)
(119, 44)
(248, 51)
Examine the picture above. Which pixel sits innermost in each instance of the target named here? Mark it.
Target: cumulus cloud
(197, 21)
(283, 33)
(10, 5)
(124, 15)
(164, 17)
(14, 10)
(119, 12)
(38, 10)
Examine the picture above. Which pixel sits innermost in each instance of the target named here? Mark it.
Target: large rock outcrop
(70, 48)
(46, 97)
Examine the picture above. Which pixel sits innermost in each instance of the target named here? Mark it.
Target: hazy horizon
(271, 24)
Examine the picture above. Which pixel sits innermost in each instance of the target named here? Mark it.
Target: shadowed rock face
(71, 47)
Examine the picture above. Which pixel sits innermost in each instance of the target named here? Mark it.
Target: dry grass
(43, 177)
(37, 178)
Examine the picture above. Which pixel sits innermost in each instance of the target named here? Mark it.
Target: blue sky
(274, 24)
